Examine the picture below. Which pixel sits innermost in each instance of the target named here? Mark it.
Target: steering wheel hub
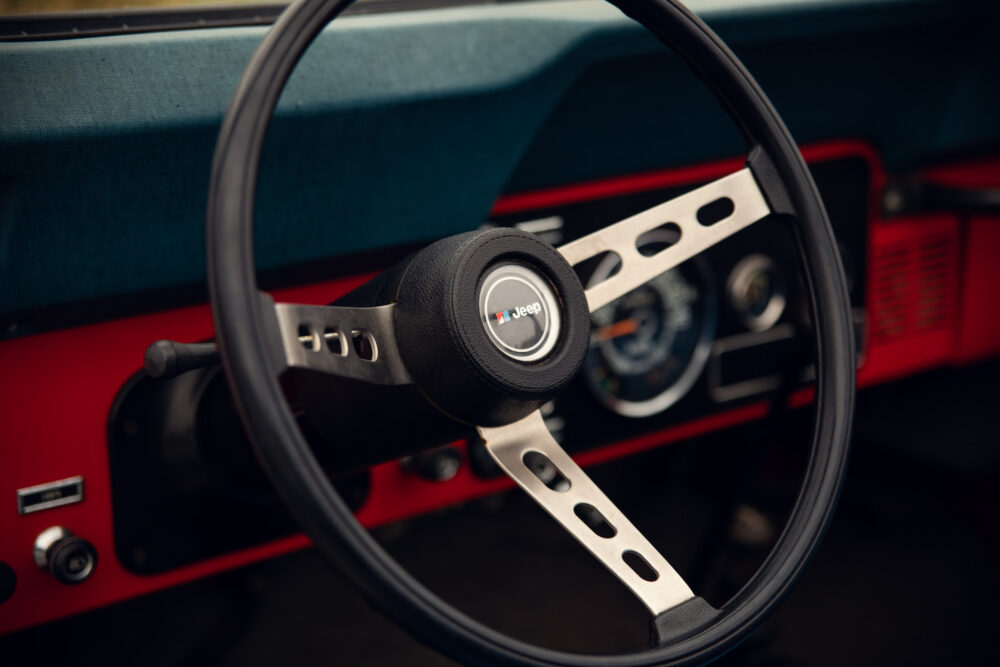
(509, 320)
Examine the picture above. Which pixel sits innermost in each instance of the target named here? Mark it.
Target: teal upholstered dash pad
(402, 127)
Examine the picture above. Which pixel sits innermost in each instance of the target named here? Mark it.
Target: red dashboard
(930, 301)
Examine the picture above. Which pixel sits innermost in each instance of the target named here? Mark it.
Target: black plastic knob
(436, 465)
(72, 560)
(166, 359)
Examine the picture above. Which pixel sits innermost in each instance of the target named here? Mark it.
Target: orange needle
(620, 328)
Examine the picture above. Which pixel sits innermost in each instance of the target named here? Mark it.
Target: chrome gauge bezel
(696, 363)
(739, 280)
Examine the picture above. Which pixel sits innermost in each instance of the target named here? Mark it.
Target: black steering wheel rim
(248, 354)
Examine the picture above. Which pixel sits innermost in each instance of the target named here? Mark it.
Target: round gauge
(757, 292)
(648, 347)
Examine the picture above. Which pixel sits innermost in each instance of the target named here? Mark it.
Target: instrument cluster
(649, 347)
(728, 327)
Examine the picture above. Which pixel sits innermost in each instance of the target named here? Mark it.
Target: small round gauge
(648, 347)
(757, 292)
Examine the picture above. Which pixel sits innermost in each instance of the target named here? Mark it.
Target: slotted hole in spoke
(658, 239)
(594, 520)
(546, 471)
(639, 565)
(335, 341)
(364, 345)
(597, 269)
(715, 211)
(309, 338)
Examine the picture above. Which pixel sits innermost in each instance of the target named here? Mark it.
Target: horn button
(519, 311)
(490, 324)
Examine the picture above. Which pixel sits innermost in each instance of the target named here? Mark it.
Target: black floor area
(908, 574)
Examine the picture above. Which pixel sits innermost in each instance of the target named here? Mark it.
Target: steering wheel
(487, 326)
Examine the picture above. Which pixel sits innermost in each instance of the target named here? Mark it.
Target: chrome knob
(68, 558)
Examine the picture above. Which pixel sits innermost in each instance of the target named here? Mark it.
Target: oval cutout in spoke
(546, 471)
(309, 338)
(658, 239)
(594, 520)
(597, 269)
(364, 345)
(335, 342)
(640, 566)
(715, 211)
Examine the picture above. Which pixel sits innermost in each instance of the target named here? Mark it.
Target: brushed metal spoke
(508, 446)
(322, 338)
(622, 237)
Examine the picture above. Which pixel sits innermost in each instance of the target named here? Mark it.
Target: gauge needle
(614, 330)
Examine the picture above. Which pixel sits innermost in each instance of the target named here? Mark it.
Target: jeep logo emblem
(519, 311)
(530, 309)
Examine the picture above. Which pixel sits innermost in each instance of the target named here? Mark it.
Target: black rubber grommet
(681, 621)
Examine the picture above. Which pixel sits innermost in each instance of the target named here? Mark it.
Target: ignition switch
(68, 558)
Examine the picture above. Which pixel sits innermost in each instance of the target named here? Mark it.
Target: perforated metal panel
(913, 285)
(914, 292)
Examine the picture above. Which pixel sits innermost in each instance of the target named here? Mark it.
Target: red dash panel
(54, 404)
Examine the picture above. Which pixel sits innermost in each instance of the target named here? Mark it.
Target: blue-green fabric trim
(402, 127)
